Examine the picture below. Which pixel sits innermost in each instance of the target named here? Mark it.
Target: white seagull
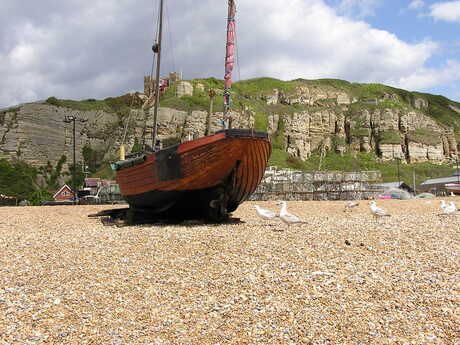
(264, 213)
(285, 216)
(349, 205)
(448, 208)
(443, 206)
(377, 211)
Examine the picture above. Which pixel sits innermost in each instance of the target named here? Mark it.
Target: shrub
(53, 101)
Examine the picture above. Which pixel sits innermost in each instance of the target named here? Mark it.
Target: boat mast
(229, 62)
(157, 50)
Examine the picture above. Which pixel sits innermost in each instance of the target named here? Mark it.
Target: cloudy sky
(77, 49)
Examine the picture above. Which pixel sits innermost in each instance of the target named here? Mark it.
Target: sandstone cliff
(303, 117)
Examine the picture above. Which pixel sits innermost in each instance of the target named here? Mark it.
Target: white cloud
(76, 52)
(320, 44)
(447, 11)
(424, 78)
(416, 4)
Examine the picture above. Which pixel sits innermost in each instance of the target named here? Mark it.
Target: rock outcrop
(37, 133)
(308, 118)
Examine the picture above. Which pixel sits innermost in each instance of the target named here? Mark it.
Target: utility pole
(69, 119)
(397, 163)
(458, 173)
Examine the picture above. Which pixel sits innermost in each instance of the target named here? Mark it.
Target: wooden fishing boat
(204, 178)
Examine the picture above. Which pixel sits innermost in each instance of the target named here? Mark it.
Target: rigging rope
(127, 123)
(149, 100)
(156, 35)
(237, 57)
(170, 38)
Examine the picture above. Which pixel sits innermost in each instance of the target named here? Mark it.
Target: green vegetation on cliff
(17, 179)
(120, 104)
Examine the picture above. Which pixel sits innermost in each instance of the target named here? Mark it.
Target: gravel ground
(338, 278)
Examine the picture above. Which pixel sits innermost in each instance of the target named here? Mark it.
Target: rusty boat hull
(204, 178)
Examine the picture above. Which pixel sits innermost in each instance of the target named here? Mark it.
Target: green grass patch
(120, 104)
(278, 138)
(263, 86)
(188, 103)
(424, 136)
(282, 159)
(439, 110)
(359, 132)
(389, 137)
(261, 121)
(209, 83)
(105, 172)
(79, 105)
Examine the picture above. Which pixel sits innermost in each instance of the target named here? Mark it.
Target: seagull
(447, 209)
(350, 204)
(443, 205)
(377, 211)
(264, 213)
(285, 216)
(450, 208)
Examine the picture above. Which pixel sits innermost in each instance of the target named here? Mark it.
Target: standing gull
(448, 208)
(285, 216)
(377, 211)
(264, 213)
(349, 205)
(443, 205)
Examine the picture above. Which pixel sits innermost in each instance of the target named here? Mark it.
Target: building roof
(441, 180)
(61, 189)
(92, 181)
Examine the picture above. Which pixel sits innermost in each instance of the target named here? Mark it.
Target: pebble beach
(337, 278)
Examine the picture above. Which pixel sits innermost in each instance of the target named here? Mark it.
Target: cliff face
(305, 117)
(37, 133)
(332, 120)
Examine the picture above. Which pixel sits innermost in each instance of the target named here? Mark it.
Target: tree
(92, 158)
(17, 179)
(136, 147)
(51, 175)
(39, 196)
(79, 176)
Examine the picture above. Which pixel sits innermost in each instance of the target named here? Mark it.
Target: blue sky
(414, 21)
(77, 49)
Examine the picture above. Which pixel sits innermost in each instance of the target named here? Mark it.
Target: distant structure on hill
(149, 83)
